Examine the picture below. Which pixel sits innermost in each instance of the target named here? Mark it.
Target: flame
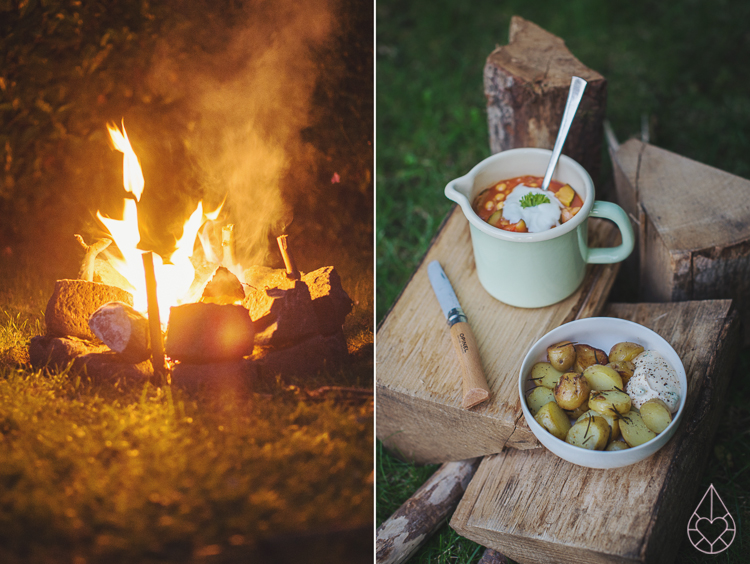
(175, 274)
(132, 175)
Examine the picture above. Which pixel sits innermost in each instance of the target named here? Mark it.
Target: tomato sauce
(489, 204)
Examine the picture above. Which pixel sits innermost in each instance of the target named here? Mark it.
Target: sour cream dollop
(537, 218)
(654, 377)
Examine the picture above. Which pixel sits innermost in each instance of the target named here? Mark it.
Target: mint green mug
(536, 269)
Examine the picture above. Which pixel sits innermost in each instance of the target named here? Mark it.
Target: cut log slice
(123, 329)
(526, 84)
(73, 302)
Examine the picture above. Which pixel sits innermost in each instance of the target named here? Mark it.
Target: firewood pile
(276, 322)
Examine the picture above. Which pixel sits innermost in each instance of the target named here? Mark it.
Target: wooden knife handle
(475, 385)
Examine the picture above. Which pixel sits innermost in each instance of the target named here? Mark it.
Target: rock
(331, 303)
(282, 315)
(307, 357)
(223, 288)
(108, 365)
(202, 333)
(122, 329)
(233, 375)
(58, 352)
(73, 302)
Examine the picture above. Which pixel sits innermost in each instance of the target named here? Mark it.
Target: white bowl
(602, 333)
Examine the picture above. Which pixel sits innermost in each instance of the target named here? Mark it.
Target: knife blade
(475, 388)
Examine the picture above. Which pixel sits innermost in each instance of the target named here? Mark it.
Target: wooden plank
(419, 415)
(535, 507)
(526, 84)
(694, 226)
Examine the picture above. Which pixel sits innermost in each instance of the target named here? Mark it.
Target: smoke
(244, 88)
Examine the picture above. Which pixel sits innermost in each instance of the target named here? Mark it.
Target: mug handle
(613, 212)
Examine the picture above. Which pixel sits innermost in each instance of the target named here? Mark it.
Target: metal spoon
(577, 85)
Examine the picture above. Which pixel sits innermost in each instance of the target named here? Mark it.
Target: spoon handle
(577, 86)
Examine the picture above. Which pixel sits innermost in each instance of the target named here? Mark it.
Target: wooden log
(291, 267)
(88, 263)
(692, 225)
(535, 507)
(123, 329)
(414, 522)
(227, 246)
(526, 85)
(491, 556)
(154, 321)
(419, 392)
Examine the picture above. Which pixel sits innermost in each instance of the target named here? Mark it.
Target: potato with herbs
(591, 432)
(625, 351)
(562, 355)
(578, 411)
(553, 418)
(572, 390)
(544, 374)
(612, 420)
(634, 430)
(656, 415)
(602, 377)
(539, 397)
(586, 356)
(617, 445)
(610, 401)
(624, 368)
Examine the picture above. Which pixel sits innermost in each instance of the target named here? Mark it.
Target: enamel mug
(536, 269)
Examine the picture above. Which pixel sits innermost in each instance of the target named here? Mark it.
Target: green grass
(679, 64)
(127, 472)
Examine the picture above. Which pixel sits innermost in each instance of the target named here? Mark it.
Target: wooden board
(526, 84)
(419, 415)
(534, 507)
(693, 226)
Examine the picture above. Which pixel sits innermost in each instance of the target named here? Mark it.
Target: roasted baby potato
(609, 401)
(617, 445)
(624, 368)
(562, 355)
(572, 390)
(544, 374)
(592, 432)
(611, 419)
(602, 377)
(656, 415)
(586, 356)
(578, 411)
(625, 351)
(538, 397)
(634, 430)
(554, 419)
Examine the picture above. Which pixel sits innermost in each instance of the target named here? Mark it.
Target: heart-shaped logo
(711, 528)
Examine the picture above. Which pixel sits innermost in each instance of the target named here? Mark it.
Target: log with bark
(526, 84)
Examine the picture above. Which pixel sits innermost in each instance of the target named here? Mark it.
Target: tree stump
(526, 84)
(693, 227)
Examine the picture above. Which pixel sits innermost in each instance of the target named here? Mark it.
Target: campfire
(197, 315)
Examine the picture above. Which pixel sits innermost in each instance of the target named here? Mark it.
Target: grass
(126, 472)
(679, 65)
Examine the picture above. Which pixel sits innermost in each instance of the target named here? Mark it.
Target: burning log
(122, 329)
(154, 323)
(291, 268)
(86, 271)
(227, 245)
(73, 302)
(201, 333)
(223, 288)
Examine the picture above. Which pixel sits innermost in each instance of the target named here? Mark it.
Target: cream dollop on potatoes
(653, 378)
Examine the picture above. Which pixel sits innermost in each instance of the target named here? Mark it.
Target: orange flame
(173, 276)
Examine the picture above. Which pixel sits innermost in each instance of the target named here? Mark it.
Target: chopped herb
(533, 199)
